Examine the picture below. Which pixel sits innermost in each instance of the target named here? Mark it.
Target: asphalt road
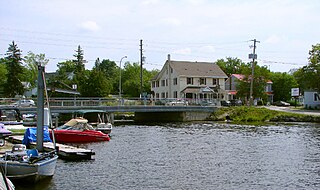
(294, 110)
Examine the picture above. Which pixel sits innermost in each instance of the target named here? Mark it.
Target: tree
(32, 60)
(15, 70)
(261, 76)
(3, 73)
(308, 76)
(110, 70)
(79, 62)
(95, 85)
(282, 84)
(231, 65)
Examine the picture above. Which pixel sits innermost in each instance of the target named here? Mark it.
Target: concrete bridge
(142, 113)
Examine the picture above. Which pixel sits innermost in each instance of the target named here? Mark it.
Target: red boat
(78, 131)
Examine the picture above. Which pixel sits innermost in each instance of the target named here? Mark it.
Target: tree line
(20, 74)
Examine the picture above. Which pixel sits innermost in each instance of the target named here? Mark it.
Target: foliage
(231, 65)
(32, 60)
(15, 71)
(261, 76)
(3, 73)
(282, 84)
(258, 114)
(95, 84)
(111, 72)
(308, 76)
(79, 61)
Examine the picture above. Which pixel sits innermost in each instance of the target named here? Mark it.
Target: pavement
(293, 109)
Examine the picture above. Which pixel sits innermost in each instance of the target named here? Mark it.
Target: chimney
(168, 57)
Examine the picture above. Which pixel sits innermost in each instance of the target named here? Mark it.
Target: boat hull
(73, 136)
(31, 172)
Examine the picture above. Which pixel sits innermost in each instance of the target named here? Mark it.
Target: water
(198, 156)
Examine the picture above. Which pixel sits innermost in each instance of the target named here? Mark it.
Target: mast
(40, 108)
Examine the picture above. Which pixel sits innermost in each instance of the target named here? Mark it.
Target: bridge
(143, 109)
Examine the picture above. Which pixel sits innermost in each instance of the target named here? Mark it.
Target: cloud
(171, 21)
(149, 2)
(90, 25)
(274, 39)
(184, 51)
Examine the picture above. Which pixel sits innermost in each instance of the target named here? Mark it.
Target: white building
(189, 80)
(312, 100)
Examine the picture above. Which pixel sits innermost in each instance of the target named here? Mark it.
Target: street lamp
(120, 79)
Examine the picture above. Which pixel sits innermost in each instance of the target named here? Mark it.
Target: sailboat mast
(40, 107)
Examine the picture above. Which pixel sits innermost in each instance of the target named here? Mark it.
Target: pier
(65, 152)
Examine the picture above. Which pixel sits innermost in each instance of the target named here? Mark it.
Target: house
(194, 81)
(231, 87)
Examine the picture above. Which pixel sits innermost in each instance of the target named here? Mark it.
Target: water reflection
(199, 156)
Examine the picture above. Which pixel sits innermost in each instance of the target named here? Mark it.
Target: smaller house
(232, 83)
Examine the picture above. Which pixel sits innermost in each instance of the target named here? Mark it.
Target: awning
(232, 92)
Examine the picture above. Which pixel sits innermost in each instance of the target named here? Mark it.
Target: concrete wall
(170, 116)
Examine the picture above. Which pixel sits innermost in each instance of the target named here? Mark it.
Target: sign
(294, 91)
(251, 56)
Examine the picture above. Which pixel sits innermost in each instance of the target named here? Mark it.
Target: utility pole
(141, 68)
(253, 57)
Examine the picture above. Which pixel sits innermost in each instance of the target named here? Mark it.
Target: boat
(5, 183)
(99, 119)
(11, 117)
(3, 134)
(78, 130)
(32, 165)
(28, 165)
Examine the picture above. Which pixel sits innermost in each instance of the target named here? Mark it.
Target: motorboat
(78, 130)
(98, 119)
(5, 183)
(27, 165)
(3, 134)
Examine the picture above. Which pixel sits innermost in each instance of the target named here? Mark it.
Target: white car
(178, 103)
(24, 103)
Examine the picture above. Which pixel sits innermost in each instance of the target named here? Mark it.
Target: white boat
(5, 182)
(99, 119)
(28, 165)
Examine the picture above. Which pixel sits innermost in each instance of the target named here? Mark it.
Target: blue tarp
(31, 135)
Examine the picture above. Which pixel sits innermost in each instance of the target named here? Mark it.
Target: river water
(202, 155)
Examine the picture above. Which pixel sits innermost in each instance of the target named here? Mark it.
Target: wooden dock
(65, 152)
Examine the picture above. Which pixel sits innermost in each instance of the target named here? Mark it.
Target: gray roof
(197, 69)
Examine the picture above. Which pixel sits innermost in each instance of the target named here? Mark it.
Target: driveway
(294, 110)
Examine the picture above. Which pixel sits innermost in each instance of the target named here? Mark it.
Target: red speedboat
(78, 131)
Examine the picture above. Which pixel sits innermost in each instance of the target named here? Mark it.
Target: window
(202, 81)
(167, 95)
(153, 84)
(175, 94)
(214, 81)
(189, 80)
(157, 84)
(157, 95)
(163, 95)
(175, 81)
(163, 82)
(166, 82)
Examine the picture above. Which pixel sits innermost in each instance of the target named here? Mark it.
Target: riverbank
(262, 114)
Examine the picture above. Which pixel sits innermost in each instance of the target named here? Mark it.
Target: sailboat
(31, 165)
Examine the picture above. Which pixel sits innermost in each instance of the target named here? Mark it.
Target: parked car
(24, 103)
(177, 102)
(281, 103)
(236, 103)
(225, 103)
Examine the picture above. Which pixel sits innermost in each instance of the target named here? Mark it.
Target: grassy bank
(259, 114)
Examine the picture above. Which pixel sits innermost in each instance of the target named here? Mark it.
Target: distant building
(233, 81)
(311, 99)
(189, 80)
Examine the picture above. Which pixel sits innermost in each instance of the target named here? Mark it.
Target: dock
(65, 152)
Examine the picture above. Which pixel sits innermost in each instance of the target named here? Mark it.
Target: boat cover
(31, 135)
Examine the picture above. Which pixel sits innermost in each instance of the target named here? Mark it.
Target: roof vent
(168, 57)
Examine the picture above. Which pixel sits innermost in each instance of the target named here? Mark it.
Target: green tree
(95, 85)
(15, 71)
(231, 65)
(32, 60)
(308, 76)
(3, 73)
(79, 61)
(110, 70)
(260, 79)
(282, 84)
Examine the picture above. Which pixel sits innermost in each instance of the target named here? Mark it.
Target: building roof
(197, 69)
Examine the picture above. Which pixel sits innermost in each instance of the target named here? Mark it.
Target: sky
(188, 30)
